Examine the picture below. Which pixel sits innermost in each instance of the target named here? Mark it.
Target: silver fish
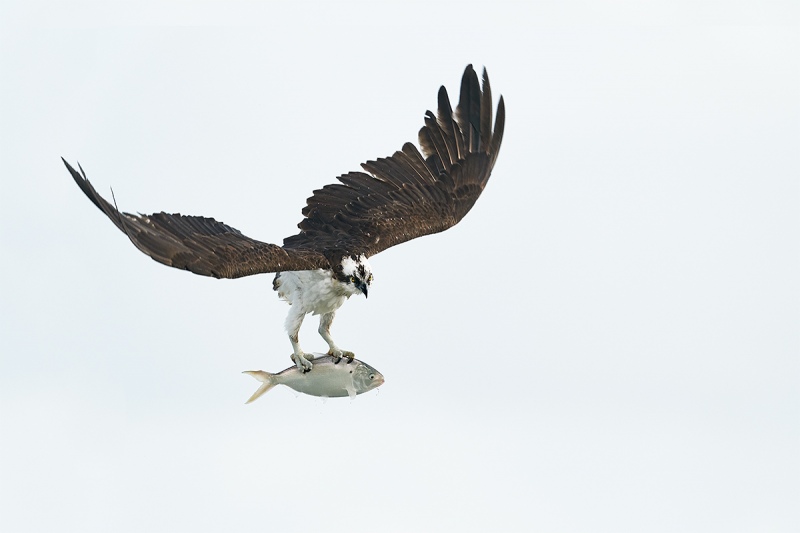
(326, 378)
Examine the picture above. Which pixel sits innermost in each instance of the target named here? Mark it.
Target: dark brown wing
(198, 244)
(408, 195)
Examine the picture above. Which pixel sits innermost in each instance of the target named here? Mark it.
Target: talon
(337, 357)
(302, 361)
(338, 354)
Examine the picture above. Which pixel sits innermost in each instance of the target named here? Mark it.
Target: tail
(268, 382)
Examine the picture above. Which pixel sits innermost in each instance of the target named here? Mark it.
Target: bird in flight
(406, 195)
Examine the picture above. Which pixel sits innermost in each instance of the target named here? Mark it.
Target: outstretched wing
(408, 195)
(198, 244)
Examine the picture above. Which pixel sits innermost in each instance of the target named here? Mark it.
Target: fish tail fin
(268, 381)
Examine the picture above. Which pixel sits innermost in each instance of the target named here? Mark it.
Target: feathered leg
(293, 323)
(325, 322)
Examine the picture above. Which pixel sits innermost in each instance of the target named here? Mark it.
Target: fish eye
(372, 376)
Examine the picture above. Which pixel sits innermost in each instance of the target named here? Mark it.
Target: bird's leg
(325, 322)
(293, 323)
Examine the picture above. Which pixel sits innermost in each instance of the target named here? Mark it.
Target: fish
(326, 379)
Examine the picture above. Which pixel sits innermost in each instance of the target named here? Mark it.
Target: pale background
(608, 342)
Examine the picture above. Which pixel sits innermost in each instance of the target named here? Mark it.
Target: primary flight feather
(406, 195)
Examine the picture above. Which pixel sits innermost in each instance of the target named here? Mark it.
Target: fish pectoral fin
(351, 391)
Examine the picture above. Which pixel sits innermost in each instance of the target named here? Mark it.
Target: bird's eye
(370, 278)
(352, 279)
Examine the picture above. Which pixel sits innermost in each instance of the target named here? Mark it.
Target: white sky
(608, 342)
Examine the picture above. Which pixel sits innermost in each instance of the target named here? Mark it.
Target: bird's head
(354, 271)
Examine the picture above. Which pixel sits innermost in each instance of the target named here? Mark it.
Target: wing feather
(416, 161)
(486, 113)
(454, 141)
(499, 125)
(468, 110)
(435, 142)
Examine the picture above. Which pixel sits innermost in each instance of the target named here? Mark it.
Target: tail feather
(265, 377)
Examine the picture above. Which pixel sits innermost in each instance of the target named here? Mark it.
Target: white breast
(315, 291)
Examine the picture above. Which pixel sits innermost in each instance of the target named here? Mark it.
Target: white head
(356, 273)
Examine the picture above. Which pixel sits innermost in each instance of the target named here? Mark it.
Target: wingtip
(75, 174)
(66, 164)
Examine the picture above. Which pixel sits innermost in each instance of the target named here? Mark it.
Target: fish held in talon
(326, 379)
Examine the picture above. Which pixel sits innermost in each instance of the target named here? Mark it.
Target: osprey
(400, 197)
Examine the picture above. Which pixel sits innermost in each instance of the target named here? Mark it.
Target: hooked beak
(363, 287)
